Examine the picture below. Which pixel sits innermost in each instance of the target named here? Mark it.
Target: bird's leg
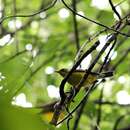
(70, 95)
(73, 91)
(67, 109)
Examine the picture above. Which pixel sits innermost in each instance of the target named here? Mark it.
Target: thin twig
(68, 122)
(29, 15)
(12, 57)
(114, 9)
(120, 3)
(96, 35)
(122, 58)
(79, 113)
(99, 113)
(116, 48)
(95, 22)
(107, 56)
(119, 119)
(75, 26)
(111, 103)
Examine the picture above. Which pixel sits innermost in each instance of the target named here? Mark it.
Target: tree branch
(75, 26)
(114, 9)
(95, 22)
(29, 15)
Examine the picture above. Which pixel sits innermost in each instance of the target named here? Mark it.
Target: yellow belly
(75, 79)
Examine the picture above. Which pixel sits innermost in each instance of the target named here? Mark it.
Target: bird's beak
(56, 71)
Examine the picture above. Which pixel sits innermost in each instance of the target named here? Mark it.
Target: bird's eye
(63, 70)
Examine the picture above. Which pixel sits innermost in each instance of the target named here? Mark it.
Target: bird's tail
(106, 74)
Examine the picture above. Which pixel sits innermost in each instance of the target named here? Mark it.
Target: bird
(78, 74)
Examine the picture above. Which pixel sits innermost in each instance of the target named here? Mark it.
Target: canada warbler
(77, 75)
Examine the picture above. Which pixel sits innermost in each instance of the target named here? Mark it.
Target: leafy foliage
(32, 48)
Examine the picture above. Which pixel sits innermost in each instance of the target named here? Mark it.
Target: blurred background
(32, 47)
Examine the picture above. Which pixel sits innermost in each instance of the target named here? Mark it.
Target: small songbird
(77, 75)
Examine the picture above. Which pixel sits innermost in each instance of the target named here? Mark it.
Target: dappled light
(123, 97)
(63, 13)
(100, 4)
(64, 65)
(49, 70)
(5, 40)
(53, 91)
(20, 100)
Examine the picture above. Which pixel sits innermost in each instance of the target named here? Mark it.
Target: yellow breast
(77, 76)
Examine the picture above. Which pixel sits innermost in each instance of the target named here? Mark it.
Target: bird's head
(62, 72)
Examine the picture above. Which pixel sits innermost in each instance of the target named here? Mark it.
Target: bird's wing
(83, 71)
